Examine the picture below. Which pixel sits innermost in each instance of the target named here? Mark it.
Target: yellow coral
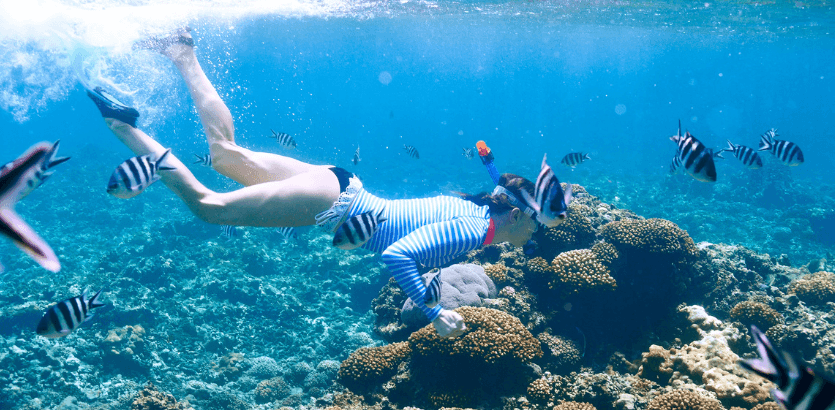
(573, 405)
(656, 236)
(684, 400)
(755, 313)
(606, 253)
(540, 391)
(580, 270)
(815, 289)
(491, 336)
(497, 272)
(367, 366)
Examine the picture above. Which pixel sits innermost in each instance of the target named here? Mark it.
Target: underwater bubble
(384, 78)
(567, 307)
(620, 109)
(460, 132)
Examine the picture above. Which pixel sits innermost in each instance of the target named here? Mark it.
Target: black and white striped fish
(787, 152)
(204, 160)
(676, 163)
(798, 388)
(469, 153)
(134, 175)
(695, 158)
(356, 159)
(412, 151)
(747, 155)
(61, 319)
(357, 230)
(433, 292)
(43, 172)
(573, 159)
(550, 201)
(287, 232)
(14, 179)
(228, 231)
(284, 139)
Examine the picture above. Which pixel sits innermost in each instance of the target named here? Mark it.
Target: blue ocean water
(608, 78)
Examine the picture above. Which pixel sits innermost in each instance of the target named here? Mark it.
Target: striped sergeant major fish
(412, 151)
(284, 139)
(573, 159)
(357, 230)
(43, 172)
(204, 160)
(134, 175)
(676, 162)
(787, 152)
(747, 155)
(550, 201)
(356, 159)
(695, 158)
(14, 178)
(468, 153)
(287, 233)
(433, 291)
(228, 231)
(61, 319)
(797, 388)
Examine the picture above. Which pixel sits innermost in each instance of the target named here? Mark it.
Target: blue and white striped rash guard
(433, 231)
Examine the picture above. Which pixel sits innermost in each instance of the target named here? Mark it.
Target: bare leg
(245, 166)
(294, 201)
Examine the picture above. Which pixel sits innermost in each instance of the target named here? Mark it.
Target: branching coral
(580, 270)
(659, 237)
(684, 400)
(755, 313)
(368, 366)
(815, 289)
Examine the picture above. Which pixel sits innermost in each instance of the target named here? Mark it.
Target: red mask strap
(491, 231)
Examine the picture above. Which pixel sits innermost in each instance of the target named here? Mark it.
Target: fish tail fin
(93, 302)
(731, 146)
(568, 195)
(161, 163)
(772, 365)
(765, 142)
(380, 218)
(586, 156)
(275, 134)
(52, 159)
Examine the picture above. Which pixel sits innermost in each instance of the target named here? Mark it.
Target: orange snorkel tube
(487, 159)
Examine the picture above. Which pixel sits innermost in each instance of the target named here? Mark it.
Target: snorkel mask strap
(515, 201)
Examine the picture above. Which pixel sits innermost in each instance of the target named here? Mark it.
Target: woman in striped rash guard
(283, 192)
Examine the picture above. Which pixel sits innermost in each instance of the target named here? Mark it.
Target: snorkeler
(283, 192)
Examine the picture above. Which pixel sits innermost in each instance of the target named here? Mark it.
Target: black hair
(500, 204)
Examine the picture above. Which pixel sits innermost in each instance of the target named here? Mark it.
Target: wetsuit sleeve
(432, 245)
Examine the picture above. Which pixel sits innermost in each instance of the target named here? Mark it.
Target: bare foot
(176, 45)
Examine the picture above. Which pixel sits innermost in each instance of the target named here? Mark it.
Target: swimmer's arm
(435, 244)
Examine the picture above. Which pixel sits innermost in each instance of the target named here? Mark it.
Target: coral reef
(271, 390)
(573, 405)
(561, 353)
(756, 313)
(579, 271)
(816, 289)
(684, 400)
(653, 237)
(150, 398)
(371, 365)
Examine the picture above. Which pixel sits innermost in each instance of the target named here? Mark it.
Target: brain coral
(755, 313)
(580, 270)
(368, 366)
(461, 285)
(492, 336)
(815, 289)
(684, 400)
(573, 405)
(655, 236)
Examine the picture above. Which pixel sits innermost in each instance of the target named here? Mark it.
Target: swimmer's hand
(449, 324)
